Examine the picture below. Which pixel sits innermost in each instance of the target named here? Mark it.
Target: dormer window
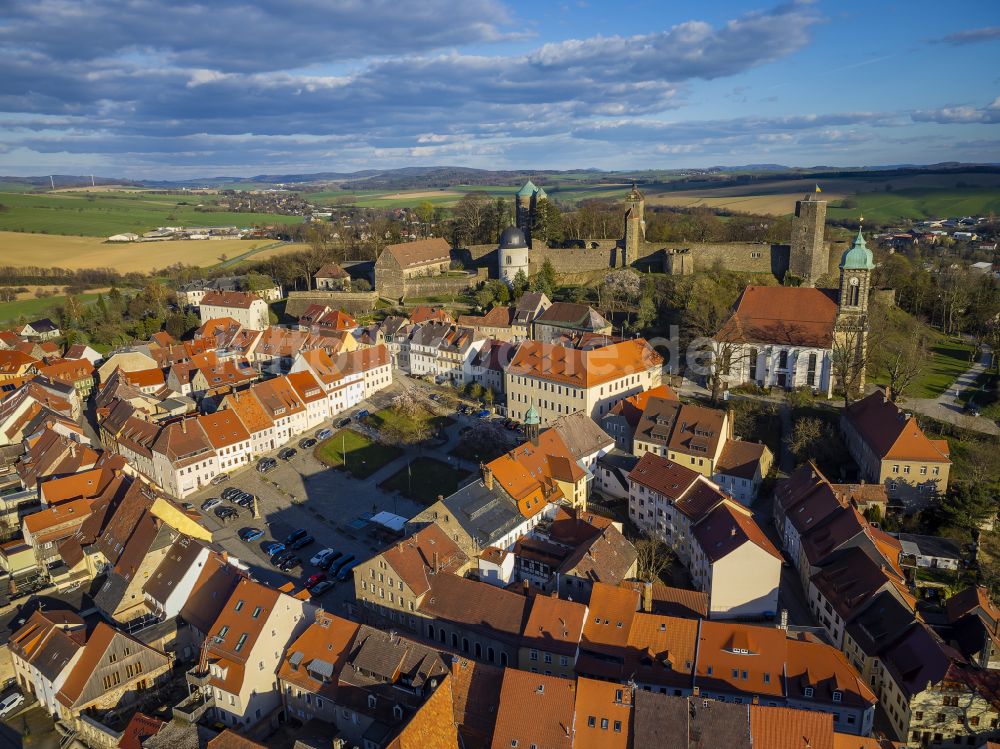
(808, 692)
(397, 712)
(372, 701)
(838, 696)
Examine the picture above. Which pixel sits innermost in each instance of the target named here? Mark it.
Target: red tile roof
(891, 433)
(784, 315)
(584, 368)
(535, 709)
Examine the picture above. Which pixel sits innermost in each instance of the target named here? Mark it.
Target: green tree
(258, 281)
(545, 281)
(966, 507)
(520, 284)
(547, 224)
(425, 212)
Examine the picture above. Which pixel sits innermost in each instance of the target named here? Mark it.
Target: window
(533, 655)
(811, 370)
(783, 359)
(591, 721)
(241, 643)
(604, 724)
(767, 678)
(752, 356)
(808, 691)
(256, 612)
(838, 696)
(239, 605)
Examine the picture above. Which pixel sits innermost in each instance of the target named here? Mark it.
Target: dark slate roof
(512, 238)
(879, 625)
(688, 723)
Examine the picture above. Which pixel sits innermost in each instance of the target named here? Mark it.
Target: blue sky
(172, 89)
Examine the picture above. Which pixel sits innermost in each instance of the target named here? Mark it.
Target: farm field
(920, 204)
(101, 214)
(33, 308)
(92, 252)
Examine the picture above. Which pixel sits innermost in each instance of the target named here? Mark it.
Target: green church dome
(858, 257)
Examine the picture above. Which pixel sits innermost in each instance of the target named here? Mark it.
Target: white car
(10, 702)
(320, 556)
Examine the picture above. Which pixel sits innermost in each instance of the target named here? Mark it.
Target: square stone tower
(809, 257)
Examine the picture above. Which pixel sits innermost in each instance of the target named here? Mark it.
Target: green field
(393, 419)
(33, 309)
(919, 204)
(425, 480)
(364, 456)
(102, 214)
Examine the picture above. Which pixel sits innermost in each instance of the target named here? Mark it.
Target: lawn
(36, 308)
(400, 422)
(425, 479)
(364, 456)
(102, 214)
(919, 203)
(949, 358)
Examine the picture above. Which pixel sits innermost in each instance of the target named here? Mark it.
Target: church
(788, 337)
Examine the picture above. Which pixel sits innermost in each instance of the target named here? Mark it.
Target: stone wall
(354, 303)
(443, 285)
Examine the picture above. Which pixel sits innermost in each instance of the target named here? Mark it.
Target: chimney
(783, 624)
(436, 563)
(647, 597)
(456, 666)
(184, 426)
(732, 531)
(526, 587)
(731, 420)
(487, 476)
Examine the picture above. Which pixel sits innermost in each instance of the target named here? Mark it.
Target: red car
(315, 579)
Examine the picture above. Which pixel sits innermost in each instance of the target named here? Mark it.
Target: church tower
(526, 208)
(809, 257)
(635, 224)
(851, 326)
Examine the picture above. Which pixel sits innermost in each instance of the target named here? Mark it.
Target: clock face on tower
(854, 282)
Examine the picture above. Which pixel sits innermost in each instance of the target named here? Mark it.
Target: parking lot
(301, 492)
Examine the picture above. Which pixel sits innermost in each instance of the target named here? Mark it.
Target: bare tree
(904, 365)
(653, 558)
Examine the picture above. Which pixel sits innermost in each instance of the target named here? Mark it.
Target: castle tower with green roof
(526, 207)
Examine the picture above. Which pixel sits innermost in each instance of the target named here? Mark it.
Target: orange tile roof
(633, 406)
(139, 728)
(211, 328)
(241, 299)
(236, 620)
(534, 709)
(850, 741)
(15, 362)
(826, 670)
(584, 368)
(306, 386)
(278, 397)
(892, 434)
(75, 510)
(787, 728)
(328, 639)
(67, 370)
(529, 472)
(249, 410)
(223, 428)
(413, 557)
(603, 712)
(612, 610)
(554, 624)
(787, 315)
(725, 647)
(143, 377)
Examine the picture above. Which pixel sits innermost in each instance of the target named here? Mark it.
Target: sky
(173, 89)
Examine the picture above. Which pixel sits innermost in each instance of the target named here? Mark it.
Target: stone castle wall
(442, 285)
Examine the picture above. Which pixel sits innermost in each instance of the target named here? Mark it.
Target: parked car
(302, 542)
(9, 703)
(274, 547)
(187, 505)
(316, 578)
(323, 434)
(307, 443)
(343, 422)
(296, 535)
(208, 504)
(362, 415)
(345, 571)
(321, 587)
(251, 534)
(336, 568)
(290, 563)
(279, 559)
(226, 514)
(330, 560)
(231, 491)
(220, 479)
(266, 464)
(319, 556)
(244, 501)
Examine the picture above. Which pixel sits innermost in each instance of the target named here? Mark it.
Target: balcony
(192, 708)
(198, 678)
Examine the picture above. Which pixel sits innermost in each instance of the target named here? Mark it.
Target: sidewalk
(948, 408)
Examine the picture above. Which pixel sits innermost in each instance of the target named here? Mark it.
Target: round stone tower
(512, 255)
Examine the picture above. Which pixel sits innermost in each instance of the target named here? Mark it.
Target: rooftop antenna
(92, 183)
(52, 182)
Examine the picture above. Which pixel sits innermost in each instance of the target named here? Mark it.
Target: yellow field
(92, 252)
(291, 247)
